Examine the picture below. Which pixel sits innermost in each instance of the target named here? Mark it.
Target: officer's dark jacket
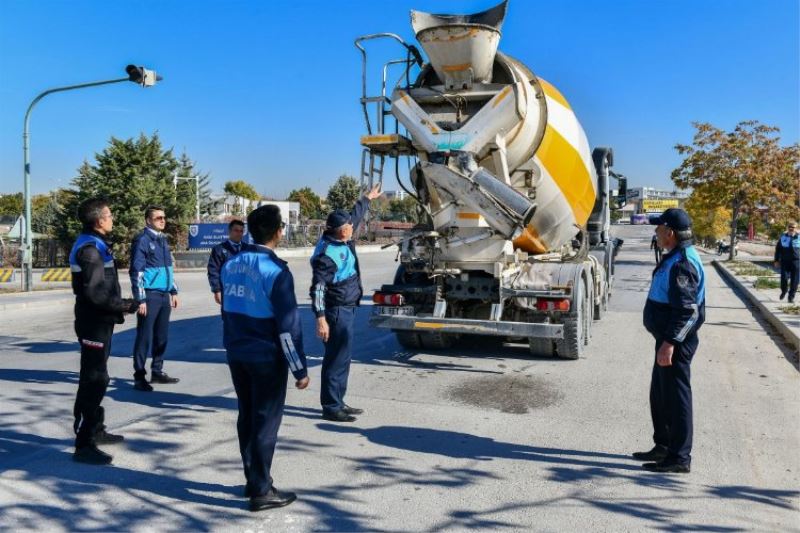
(94, 280)
(336, 276)
(151, 265)
(219, 254)
(787, 250)
(259, 310)
(676, 303)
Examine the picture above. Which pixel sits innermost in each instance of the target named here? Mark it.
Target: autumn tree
(742, 170)
(310, 202)
(241, 188)
(708, 224)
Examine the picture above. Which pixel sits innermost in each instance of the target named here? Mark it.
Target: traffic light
(142, 76)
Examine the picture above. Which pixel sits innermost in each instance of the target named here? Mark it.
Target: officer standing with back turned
(98, 306)
(263, 340)
(674, 312)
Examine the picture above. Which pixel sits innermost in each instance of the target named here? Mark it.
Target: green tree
(404, 210)
(11, 205)
(743, 170)
(344, 193)
(132, 174)
(241, 188)
(310, 202)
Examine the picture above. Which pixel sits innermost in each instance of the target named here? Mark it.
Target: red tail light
(552, 305)
(385, 298)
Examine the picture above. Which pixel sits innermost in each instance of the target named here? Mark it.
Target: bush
(766, 283)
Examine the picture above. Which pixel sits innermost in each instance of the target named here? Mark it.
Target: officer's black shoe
(670, 467)
(91, 455)
(102, 436)
(162, 377)
(782, 296)
(791, 299)
(338, 416)
(658, 453)
(352, 410)
(142, 385)
(274, 498)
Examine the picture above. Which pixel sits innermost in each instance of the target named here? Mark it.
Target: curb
(791, 337)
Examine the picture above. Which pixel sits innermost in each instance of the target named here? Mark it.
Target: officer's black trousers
(151, 333)
(336, 363)
(261, 390)
(790, 275)
(95, 341)
(671, 401)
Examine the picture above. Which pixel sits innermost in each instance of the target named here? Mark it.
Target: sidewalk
(766, 301)
(31, 300)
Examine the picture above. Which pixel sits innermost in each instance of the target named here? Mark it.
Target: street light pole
(140, 75)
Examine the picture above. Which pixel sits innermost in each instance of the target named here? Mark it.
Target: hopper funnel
(461, 48)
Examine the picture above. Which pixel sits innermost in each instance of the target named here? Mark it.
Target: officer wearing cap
(221, 253)
(335, 293)
(263, 340)
(98, 307)
(674, 312)
(787, 257)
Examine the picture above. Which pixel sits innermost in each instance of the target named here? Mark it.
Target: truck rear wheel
(436, 341)
(572, 345)
(541, 347)
(408, 339)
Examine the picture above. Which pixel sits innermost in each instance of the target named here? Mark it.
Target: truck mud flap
(467, 326)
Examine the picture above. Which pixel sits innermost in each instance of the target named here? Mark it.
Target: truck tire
(436, 341)
(601, 308)
(572, 345)
(541, 347)
(408, 339)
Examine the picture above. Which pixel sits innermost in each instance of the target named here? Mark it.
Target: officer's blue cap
(674, 218)
(337, 219)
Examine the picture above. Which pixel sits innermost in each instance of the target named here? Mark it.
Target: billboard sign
(204, 236)
(658, 206)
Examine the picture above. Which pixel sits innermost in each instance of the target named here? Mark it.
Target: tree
(131, 174)
(743, 170)
(11, 205)
(708, 223)
(310, 202)
(241, 188)
(404, 210)
(344, 193)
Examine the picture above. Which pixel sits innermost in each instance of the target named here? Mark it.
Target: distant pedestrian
(153, 285)
(263, 340)
(654, 246)
(221, 253)
(673, 314)
(98, 307)
(335, 293)
(787, 257)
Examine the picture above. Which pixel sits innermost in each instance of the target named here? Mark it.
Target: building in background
(395, 195)
(652, 200)
(227, 206)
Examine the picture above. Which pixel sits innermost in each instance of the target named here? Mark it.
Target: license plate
(394, 310)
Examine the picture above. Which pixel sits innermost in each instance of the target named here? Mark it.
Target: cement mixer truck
(514, 205)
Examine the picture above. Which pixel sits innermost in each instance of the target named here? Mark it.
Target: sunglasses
(160, 218)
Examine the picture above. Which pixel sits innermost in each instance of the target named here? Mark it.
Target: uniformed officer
(98, 306)
(153, 286)
(335, 293)
(787, 256)
(674, 312)
(657, 249)
(262, 337)
(221, 253)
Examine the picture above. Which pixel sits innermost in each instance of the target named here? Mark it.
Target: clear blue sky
(268, 91)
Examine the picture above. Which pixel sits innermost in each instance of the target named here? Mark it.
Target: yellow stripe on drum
(529, 241)
(566, 166)
(553, 93)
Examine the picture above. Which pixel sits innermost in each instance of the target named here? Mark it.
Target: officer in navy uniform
(221, 253)
(153, 286)
(674, 312)
(787, 257)
(335, 293)
(98, 306)
(263, 339)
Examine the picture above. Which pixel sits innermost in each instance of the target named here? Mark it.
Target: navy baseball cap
(674, 218)
(337, 219)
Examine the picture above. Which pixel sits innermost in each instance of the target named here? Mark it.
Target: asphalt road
(481, 436)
